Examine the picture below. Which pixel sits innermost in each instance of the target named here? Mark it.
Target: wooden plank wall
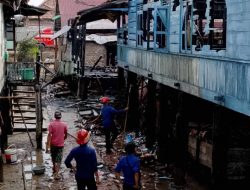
(202, 77)
(207, 73)
(132, 23)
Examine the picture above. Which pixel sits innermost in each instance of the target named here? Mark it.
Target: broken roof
(22, 8)
(108, 10)
(69, 9)
(29, 10)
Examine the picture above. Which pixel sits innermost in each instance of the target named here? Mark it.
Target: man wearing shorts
(55, 141)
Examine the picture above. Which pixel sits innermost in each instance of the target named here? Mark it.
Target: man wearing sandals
(55, 141)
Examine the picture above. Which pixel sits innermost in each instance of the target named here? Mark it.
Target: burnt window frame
(144, 27)
(139, 25)
(215, 16)
(185, 14)
(208, 38)
(165, 32)
(150, 28)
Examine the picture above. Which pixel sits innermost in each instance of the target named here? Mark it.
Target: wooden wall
(206, 78)
(221, 76)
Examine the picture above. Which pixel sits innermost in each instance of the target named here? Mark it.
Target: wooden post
(39, 31)
(27, 130)
(39, 118)
(220, 147)
(82, 83)
(38, 67)
(121, 80)
(133, 114)
(181, 135)
(150, 114)
(83, 35)
(164, 133)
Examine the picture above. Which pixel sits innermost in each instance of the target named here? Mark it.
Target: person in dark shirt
(86, 162)
(108, 113)
(129, 165)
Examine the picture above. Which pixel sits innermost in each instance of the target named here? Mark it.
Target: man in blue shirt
(129, 165)
(108, 113)
(86, 162)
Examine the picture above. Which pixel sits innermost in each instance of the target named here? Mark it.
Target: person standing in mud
(129, 165)
(86, 162)
(55, 141)
(108, 113)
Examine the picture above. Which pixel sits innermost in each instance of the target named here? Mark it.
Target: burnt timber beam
(150, 115)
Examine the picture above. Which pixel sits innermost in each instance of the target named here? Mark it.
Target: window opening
(10, 32)
(145, 27)
(140, 25)
(200, 37)
(203, 24)
(161, 31)
(150, 29)
(218, 14)
(186, 26)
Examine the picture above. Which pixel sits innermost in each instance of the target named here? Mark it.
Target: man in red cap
(108, 113)
(86, 162)
(55, 141)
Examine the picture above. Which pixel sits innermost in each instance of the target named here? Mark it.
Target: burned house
(188, 65)
(93, 36)
(68, 12)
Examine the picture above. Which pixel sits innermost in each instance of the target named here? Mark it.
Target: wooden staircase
(23, 107)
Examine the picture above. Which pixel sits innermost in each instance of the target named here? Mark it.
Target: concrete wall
(2, 49)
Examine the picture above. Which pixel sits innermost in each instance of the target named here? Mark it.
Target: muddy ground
(155, 176)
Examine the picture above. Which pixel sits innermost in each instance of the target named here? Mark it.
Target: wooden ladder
(23, 107)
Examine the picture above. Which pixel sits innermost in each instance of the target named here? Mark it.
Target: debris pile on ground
(58, 89)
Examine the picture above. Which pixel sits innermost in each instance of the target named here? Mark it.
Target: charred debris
(104, 81)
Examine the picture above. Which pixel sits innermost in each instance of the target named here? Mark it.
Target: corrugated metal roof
(23, 8)
(65, 29)
(108, 10)
(101, 39)
(101, 24)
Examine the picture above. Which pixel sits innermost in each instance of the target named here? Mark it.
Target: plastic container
(128, 138)
(10, 154)
(27, 73)
(38, 170)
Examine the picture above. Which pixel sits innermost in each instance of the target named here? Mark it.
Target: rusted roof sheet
(103, 11)
(29, 10)
(23, 8)
(69, 8)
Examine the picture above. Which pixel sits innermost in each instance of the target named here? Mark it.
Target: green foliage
(27, 50)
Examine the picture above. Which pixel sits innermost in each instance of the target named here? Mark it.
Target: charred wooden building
(188, 64)
(93, 38)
